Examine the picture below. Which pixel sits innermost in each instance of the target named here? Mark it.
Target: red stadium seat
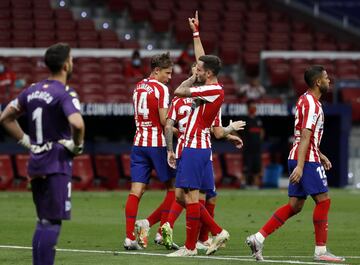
(109, 44)
(63, 14)
(22, 24)
(6, 172)
(93, 98)
(139, 10)
(279, 74)
(218, 173)
(235, 6)
(107, 170)
(111, 65)
(83, 173)
(130, 44)
(116, 5)
(5, 4)
(44, 24)
(229, 53)
(85, 24)
(125, 166)
(352, 96)
(22, 13)
(68, 25)
(5, 35)
(41, 5)
(5, 14)
(46, 14)
(23, 35)
(108, 35)
(21, 164)
(45, 35)
(160, 20)
(5, 26)
(234, 166)
(163, 5)
(21, 4)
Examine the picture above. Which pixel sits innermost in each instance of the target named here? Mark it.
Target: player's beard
(69, 74)
(324, 89)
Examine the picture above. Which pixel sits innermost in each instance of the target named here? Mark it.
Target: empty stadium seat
(218, 173)
(6, 172)
(234, 165)
(21, 165)
(352, 96)
(83, 173)
(107, 170)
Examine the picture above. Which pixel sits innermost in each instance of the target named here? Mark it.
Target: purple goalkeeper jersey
(47, 104)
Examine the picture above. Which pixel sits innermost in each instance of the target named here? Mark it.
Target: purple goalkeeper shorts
(52, 196)
(145, 159)
(312, 182)
(195, 170)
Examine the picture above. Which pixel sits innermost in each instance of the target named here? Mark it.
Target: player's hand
(296, 175)
(237, 125)
(70, 145)
(325, 162)
(235, 140)
(171, 158)
(194, 22)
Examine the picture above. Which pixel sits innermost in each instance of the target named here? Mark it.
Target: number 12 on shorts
(322, 174)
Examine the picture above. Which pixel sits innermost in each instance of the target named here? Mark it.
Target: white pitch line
(295, 257)
(237, 258)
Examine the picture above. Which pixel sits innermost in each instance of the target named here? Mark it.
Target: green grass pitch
(98, 224)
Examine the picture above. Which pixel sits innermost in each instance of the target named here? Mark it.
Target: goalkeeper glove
(70, 145)
(25, 141)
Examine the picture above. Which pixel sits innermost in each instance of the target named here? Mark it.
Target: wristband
(196, 34)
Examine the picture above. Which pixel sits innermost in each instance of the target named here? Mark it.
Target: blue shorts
(195, 170)
(52, 196)
(313, 180)
(209, 193)
(145, 159)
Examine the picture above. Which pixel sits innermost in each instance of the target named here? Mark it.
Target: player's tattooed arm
(183, 90)
(169, 133)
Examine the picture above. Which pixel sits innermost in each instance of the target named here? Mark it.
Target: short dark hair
(56, 55)
(312, 73)
(212, 63)
(161, 60)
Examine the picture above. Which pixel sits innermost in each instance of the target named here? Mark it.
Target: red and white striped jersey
(309, 114)
(207, 104)
(149, 96)
(179, 111)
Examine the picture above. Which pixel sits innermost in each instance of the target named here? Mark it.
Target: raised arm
(194, 25)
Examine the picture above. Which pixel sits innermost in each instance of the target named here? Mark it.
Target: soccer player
(151, 100)
(56, 134)
(178, 114)
(307, 166)
(194, 172)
